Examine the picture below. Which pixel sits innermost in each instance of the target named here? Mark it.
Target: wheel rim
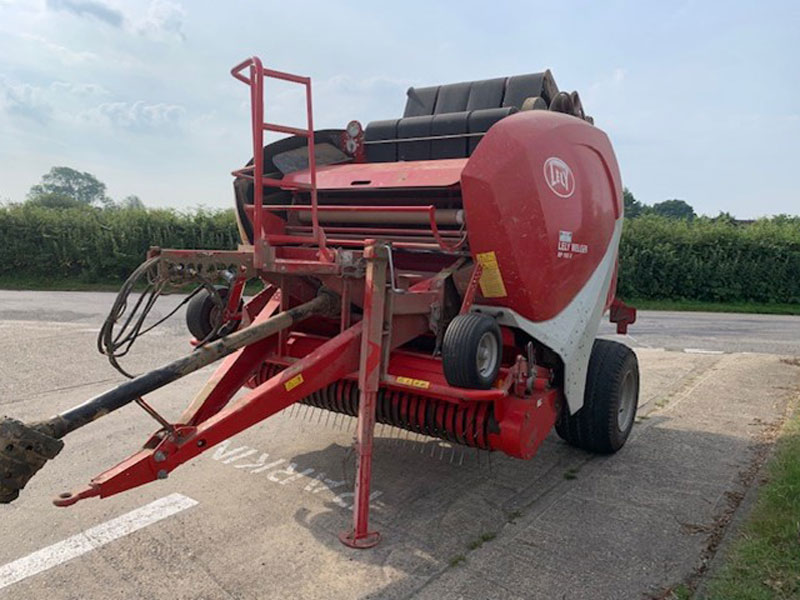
(217, 311)
(214, 316)
(627, 402)
(487, 355)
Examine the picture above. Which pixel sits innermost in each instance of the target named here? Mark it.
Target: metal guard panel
(354, 176)
(544, 242)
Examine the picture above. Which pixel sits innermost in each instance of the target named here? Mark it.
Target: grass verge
(764, 561)
(730, 307)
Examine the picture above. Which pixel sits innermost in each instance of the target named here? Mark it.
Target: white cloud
(78, 89)
(89, 8)
(65, 55)
(27, 101)
(75, 105)
(137, 116)
(163, 20)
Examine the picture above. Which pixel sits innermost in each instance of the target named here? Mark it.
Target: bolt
(162, 474)
(159, 456)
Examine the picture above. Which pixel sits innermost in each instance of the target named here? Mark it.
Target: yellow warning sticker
(417, 383)
(293, 382)
(491, 282)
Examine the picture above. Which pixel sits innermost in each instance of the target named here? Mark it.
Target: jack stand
(369, 376)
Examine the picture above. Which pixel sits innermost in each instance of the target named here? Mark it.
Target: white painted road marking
(93, 538)
(701, 351)
(287, 473)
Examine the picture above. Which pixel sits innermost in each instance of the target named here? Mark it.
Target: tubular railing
(255, 173)
(255, 81)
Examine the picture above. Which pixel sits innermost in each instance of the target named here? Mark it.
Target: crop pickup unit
(444, 273)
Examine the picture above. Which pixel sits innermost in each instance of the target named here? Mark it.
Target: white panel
(571, 333)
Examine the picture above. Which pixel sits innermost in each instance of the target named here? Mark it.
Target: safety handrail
(255, 172)
(255, 81)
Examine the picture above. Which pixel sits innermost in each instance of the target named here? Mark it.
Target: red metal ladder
(256, 171)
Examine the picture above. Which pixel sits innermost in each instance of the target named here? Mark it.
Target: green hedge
(91, 245)
(711, 260)
(660, 258)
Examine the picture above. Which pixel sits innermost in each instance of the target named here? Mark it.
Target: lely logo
(559, 177)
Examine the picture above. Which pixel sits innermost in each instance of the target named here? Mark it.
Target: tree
(84, 188)
(674, 209)
(633, 208)
(132, 202)
(725, 217)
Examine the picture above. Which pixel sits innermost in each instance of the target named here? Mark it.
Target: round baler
(443, 272)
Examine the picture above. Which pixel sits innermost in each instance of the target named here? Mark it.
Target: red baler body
(510, 209)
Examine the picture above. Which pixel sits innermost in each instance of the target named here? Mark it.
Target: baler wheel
(472, 351)
(610, 401)
(202, 314)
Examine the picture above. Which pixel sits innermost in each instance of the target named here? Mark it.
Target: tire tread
(594, 426)
(460, 339)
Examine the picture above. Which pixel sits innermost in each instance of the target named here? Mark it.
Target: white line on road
(701, 351)
(93, 538)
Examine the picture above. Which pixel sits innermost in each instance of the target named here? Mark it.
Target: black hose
(116, 344)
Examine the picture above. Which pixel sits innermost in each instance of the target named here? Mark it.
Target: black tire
(603, 424)
(200, 317)
(464, 338)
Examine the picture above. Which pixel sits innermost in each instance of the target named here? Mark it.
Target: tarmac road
(257, 516)
(770, 334)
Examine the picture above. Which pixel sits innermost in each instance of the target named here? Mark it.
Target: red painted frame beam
(330, 362)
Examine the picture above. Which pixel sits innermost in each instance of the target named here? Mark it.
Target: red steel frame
(371, 365)
(525, 405)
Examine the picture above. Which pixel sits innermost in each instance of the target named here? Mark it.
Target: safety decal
(491, 281)
(293, 382)
(417, 383)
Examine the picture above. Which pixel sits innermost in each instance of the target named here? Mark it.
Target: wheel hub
(487, 354)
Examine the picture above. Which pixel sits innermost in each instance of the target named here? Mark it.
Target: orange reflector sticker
(417, 383)
(491, 281)
(293, 382)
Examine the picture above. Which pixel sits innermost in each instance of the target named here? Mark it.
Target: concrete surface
(727, 332)
(563, 525)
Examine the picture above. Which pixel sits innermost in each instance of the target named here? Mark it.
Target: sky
(701, 100)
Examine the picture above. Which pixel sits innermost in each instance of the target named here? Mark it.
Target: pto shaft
(24, 449)
(127, 392)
